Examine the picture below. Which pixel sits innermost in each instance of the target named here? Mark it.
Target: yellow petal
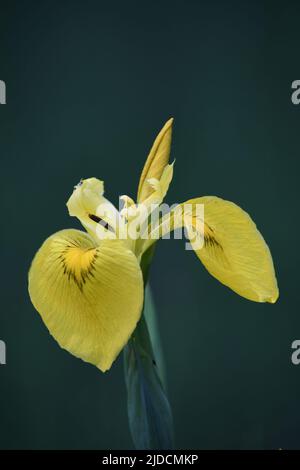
(160, 187)
(89, 296)
(86, 197)
(98, 216)
(235, 252)
(157, 159)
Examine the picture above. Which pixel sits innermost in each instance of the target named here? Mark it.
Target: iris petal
(235, 252)
(98, 215)
(89, 296)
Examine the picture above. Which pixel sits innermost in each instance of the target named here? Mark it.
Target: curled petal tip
(274, 298)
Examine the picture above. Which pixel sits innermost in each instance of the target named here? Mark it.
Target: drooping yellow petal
(89, 296)
(235, 252)
(157, 159)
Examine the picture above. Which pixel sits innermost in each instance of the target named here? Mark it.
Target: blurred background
(89, 85)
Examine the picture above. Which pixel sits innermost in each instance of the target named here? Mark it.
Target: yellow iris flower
(88, 286)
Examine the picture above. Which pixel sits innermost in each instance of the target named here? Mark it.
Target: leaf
(149, 412)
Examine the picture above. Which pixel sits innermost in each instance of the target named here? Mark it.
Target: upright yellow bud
(157, 160)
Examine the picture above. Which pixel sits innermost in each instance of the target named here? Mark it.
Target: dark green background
(89, 84)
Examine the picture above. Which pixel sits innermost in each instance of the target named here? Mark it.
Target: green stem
(149, 412)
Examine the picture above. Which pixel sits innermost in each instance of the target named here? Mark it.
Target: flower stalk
(149, 411)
